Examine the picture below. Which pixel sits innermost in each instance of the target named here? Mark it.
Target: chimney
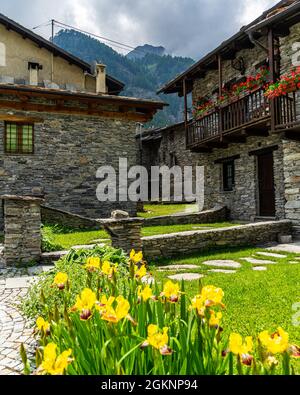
(34, 73)
(100, 78)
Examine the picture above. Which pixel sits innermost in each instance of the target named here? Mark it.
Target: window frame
(19, 138)
(225, 165)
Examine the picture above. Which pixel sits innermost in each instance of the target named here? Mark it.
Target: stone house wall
(203, 87)
(68, 150)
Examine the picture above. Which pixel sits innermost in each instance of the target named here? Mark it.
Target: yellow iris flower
(171, 292)
(42, 325)
(116, 314)
(145, 293)
(276, 343)
(140, 272)
(60, 280)
(136, 257)
(210, 296)
(214, 320)
(108, 269)
(239, 347)
(104, 302)
(158, 339)
(92, 264)
(54, 364)
(85, 303)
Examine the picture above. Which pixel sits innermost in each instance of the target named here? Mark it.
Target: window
(18, 138)
(228, 175)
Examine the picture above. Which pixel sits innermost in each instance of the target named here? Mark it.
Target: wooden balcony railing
(244, 112)
(285, 112)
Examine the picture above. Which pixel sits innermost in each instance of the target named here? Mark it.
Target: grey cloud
(184, 27)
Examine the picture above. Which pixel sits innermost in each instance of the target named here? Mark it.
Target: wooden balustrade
(247, 110)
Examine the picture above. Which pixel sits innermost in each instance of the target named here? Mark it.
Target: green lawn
(157, 210)
(69, 238)
(255, 301)
(161, 230)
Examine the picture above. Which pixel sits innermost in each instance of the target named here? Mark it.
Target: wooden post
(185, 111)
(272, 74)
(220, 69)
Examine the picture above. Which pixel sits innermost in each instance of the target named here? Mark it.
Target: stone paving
(186, 277)
(223, 263)
(14, 329)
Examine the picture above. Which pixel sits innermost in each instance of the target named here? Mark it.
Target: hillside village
(104, 274)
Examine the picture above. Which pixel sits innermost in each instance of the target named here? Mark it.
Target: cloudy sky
(184, 27)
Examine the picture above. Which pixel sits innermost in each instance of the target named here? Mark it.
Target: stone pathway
(293, 247)
(176, 268)
(271, 255)
(223, 263)
(14, 329)
(259, 268)
(224, 271)
(186, 277)
(258, 261)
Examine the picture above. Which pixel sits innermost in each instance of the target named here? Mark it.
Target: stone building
(249, 145)
(60, 120)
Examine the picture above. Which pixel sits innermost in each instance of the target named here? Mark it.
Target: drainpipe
(256, 42)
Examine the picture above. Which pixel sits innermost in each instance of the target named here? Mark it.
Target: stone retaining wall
(22, 227)
(218, 214)
(189, 242)
(65, 218)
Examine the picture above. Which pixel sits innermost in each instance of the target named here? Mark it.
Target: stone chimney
(100, 78)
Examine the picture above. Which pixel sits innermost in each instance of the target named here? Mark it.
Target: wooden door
(266, 185)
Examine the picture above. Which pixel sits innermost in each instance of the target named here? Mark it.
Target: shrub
(97, 315)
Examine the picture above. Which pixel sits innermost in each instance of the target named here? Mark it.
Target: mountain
(143, 75)
(142, 50)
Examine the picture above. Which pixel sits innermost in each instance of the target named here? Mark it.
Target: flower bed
(203, 106)
(288, 83)
(99, 313)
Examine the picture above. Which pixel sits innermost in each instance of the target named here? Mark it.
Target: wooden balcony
(287, 115)
(249, 115)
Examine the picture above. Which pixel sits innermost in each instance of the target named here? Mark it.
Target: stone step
(186, 277)
(258, 262)
(222, 264)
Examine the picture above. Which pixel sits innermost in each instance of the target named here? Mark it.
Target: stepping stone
(177, 267)
(293, 248)
(222, 271)
(271, 254)
(223, 263)
(186, 277)
(294, 262)
(258, 261)
(259, 268)
(19, 282)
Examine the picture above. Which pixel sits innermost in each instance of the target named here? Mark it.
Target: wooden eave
(126, 108)
(237, 42)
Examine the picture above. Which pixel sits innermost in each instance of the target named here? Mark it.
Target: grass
(162, 230)
(67, 238)
(157, 210)
(255, 301)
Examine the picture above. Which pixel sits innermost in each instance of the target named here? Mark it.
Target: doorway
(266, 187)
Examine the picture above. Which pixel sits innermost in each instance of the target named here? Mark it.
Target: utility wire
(113, 43)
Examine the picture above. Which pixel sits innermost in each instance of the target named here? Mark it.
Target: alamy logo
(163, 183)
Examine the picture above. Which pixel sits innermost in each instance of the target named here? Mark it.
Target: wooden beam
(257, 132)
(271, 48)
(20, 118)
(217, 144)
(185, 110)
(139, 117)
(79, 97)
